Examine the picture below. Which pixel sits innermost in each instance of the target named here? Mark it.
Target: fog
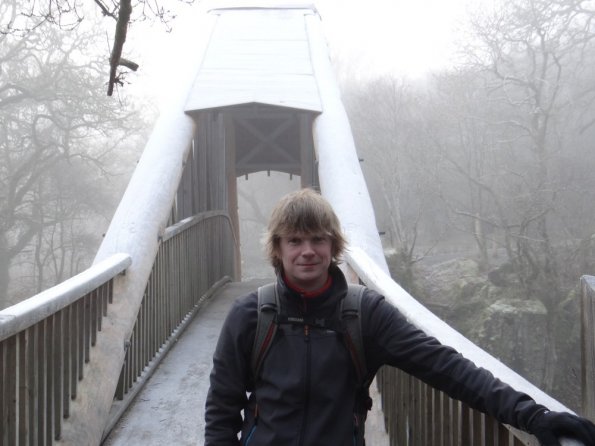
(475, 126)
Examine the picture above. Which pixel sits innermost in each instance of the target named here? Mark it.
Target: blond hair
(303, 212)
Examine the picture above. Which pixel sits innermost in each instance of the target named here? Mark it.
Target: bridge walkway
(169, 410)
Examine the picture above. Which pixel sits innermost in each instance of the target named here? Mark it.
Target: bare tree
(505, 142)
(534, 53)
(390, 120)
(21, 18)
(531, 56)
(53, 124)
(468, 144)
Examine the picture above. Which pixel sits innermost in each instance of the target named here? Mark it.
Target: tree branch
(119, 39)
(106, 12)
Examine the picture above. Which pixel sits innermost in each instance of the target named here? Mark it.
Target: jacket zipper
(307, 384)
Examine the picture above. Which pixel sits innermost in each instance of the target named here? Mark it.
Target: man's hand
(548, 427)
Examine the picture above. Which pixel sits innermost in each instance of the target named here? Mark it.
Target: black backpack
(269, 307)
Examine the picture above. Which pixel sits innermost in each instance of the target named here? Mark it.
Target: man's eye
(320, 239)
(294, 241)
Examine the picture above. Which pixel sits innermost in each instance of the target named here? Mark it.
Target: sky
(405, 37)
(408, 38)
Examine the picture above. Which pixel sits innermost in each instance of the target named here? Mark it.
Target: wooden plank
(466, 427)
(80, 334)
(423, 414)
(447, 420)
(3, 395)
(23, 403)
(478, 432)
(588, 346)
(32, 383)
(12, 390)
(148, 352)
(86, 335)
(41, 371)
(67, 341)
(232, 187)
(159, 298)
(156, 315)
(416, 412)
(95, 297)
(503, 435)
(457, 430)
(110, 294)
(307, 156)
(74, 349)
(428, 416)
(58, 386)
(403, 395)
(437, 417)
(200, 148)
(120, 386)
(32, 359)
(491, 430)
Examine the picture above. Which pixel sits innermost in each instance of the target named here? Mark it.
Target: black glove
(549, 426)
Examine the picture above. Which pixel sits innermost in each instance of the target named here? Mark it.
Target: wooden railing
(195, 257)
(418, 415)
(588, 345)
(44, 343)
(46, 340)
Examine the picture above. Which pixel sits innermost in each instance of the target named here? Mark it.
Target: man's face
(306, 259)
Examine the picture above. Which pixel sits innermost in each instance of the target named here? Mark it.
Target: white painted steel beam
(341, 178)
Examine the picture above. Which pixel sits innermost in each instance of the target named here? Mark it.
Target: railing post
(588, 345)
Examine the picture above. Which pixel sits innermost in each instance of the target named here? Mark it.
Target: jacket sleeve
(229, 377)
(390, 339)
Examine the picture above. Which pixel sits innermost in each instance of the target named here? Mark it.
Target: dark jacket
(306, 393)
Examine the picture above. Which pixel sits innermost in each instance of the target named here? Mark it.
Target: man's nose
(307, 248)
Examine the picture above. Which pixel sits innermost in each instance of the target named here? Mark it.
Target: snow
(256, 56)
(30, 311)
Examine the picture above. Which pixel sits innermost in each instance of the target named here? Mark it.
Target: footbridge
(121, 353)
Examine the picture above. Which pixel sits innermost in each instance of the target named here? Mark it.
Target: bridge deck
(170, 408)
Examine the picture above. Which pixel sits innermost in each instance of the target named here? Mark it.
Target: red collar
(310, 294)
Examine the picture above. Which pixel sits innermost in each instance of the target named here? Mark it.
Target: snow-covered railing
(419, 414)
(44, 343)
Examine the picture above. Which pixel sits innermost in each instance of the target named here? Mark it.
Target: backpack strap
(266, 326)
(350, 312)
(352, 323)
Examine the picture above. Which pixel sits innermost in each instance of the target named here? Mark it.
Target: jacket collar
(327, 300)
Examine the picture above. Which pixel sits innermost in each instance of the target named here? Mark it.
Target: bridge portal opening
(238, 146)
(257, 195)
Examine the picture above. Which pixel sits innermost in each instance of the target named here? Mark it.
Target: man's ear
(277, 263)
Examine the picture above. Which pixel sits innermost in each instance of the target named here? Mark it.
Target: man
(306, 392)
